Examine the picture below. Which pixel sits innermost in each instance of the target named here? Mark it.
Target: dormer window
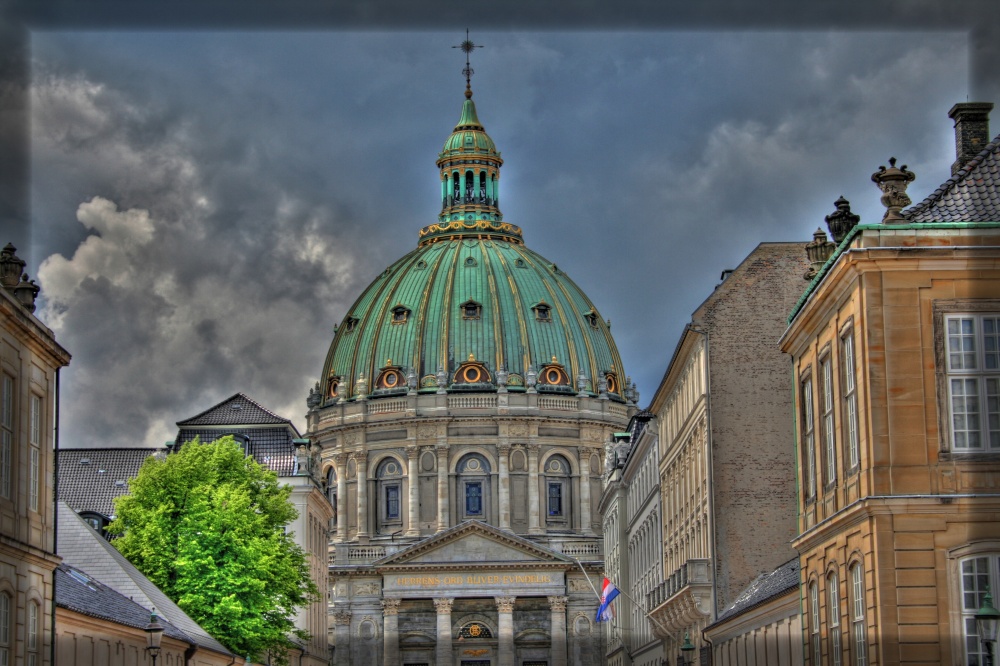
(400, 314)
(470, 261)
(471, 310)
(591, 318)
(543, 312)
(520, 263)
(350, 324)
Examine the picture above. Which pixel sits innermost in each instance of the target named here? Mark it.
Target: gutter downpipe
(55, 512)
(710, 465)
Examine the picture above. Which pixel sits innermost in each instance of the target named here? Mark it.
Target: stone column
(503, 458)
(412, 454)
(342, 623)
(505, 629)
(341, 461)
(534, 510)
(443, 654)
(585, 520)
(442, 455)
(361, 460)
(558, 630)
(390, 632)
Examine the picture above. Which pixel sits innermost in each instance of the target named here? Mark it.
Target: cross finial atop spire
(467, 47)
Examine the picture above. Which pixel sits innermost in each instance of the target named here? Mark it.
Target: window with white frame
(857, 609)
(826, 420)
(850, 397)
(972, 360)
(6, 434)
(4, 629)
(833, 617)
(32, 631)
(814, 624)
(980, 575)
(808, 438)
(34, 452)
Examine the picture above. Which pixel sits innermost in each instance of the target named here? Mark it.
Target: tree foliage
(207, 526)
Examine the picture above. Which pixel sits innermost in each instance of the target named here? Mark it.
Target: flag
(608, 594)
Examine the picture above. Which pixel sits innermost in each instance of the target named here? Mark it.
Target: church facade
(462, 413)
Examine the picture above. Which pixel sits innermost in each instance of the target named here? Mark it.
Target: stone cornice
(30, 331)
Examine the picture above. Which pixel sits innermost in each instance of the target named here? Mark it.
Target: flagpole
(641, 606)
(587, 576)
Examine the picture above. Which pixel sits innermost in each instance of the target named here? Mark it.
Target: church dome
(471, 308)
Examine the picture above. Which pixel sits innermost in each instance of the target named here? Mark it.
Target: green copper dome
(471, 308)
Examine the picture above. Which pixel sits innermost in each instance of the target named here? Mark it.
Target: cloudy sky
(205, 205)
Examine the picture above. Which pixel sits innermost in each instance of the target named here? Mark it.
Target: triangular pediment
(474, 541)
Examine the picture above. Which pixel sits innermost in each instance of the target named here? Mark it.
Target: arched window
(482, 186)
(833, 617)
(5, 628)
(815, 647)
(857, 612)
(32, 634)
(470, 181)
(557, 491)
(474, 487)
(390, 495)
(331, 494)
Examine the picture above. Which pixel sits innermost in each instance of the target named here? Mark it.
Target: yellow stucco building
(896, 358)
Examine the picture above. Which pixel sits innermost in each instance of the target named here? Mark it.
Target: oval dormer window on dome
(350, 324)
(543, 312)
(400, 314)
(520, 263)
(471, 261)
(332, 386)
(553, 374)
(472, 372)
(612, 380)
(471, 310)
(390, 377)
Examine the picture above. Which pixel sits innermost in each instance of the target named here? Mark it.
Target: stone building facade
(894, 350)
(630, 509)
(30, 360)
(723, 411)
(462, 412)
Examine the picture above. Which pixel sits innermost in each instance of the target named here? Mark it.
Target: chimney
(972, 131)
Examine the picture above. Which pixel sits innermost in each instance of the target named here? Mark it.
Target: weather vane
(467, 46)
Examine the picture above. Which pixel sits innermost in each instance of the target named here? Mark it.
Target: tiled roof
(237, 410)
(971, 195)
(90, 479)
(764, 588)
(271, 447)
(83, 548)
(77, 591)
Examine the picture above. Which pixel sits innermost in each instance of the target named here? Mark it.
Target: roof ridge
(239, 394)
(954, 180)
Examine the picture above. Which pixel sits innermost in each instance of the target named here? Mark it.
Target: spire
(467, 47)
(469, 167)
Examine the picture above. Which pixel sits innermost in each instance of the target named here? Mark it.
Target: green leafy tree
(207, 526)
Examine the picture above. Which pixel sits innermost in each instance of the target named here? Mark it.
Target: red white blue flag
(608, 594)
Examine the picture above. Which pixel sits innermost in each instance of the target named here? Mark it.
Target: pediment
(474, 541)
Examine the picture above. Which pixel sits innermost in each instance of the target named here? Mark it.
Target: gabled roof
(271, 447)
(764, 587)
(90, 479)
(971, 195)
(83, 548)
(80, 592)
(237, 410)
(508, 548)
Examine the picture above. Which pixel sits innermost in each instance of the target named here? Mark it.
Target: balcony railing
(692, 572)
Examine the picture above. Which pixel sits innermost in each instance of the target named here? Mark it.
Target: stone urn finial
(893, 182)
(11, 267)
(818, 251)
(841, 221)
(26, 291)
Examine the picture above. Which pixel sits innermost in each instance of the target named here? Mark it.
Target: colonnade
(442, 450)
(444, 655)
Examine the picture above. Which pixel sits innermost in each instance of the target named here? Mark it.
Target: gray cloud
(211, 204)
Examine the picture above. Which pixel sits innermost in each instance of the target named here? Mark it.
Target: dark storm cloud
(211, 204)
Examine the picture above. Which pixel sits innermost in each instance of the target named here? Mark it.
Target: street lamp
(686, 649)
(154, 632)
(987, 619)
